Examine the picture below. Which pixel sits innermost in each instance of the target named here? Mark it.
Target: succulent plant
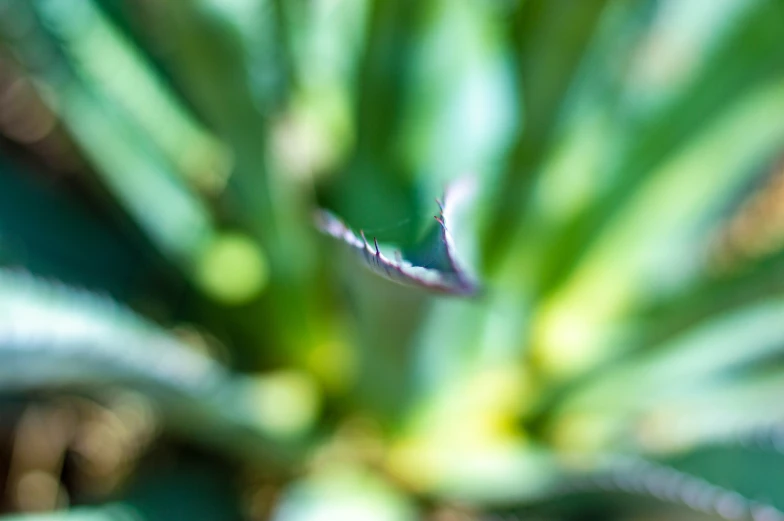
(591, 327)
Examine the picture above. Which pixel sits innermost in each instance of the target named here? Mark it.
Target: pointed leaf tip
(452, 278)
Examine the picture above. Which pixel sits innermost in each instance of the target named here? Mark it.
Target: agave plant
(591, 326)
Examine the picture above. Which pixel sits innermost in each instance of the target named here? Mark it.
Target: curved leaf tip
(451, 277)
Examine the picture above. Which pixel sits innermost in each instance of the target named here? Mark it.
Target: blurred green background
(178, 341)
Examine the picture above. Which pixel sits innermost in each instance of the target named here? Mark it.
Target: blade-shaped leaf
(441, 269)
(747, 469)
(667, 484)
(692, 359)
(57, 338)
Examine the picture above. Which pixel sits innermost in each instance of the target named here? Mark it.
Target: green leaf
(343, 492)
(746, 59)
(438, 265)
(55, 338)
(689, 361)
(549, 40)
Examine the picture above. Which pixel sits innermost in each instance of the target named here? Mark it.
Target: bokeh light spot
(233, 269)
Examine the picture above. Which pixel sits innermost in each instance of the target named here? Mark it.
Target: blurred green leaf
(55, 338)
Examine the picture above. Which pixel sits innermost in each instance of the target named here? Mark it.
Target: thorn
(440, 205)
(362, 233)
(440, 221)
(398, 257)
(375, 242)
